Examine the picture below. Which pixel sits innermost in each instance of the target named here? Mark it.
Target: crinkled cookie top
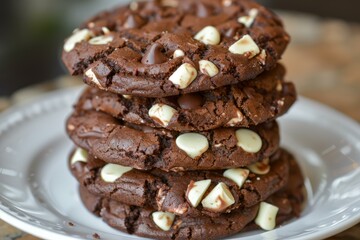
(169, 47)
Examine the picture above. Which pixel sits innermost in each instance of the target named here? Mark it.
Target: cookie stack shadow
(176, 136)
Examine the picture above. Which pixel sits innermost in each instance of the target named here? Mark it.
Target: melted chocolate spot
(223, 204)
(133, 21)
(154, 55)
(190, 101)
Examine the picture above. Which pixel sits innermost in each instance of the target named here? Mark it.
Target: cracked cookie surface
(137, 49)
(146, 148)
(165, 191)
(242, 105)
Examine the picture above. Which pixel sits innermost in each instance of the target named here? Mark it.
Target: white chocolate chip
(245, 45)
(78, 36)
(208, 68)
(162, 113)
(110, 172)
(248, 20)
(266, 217)
(178, 53)
(126, 96)
(248, 140)
(101, 40)
(262, 57)
(219, 198)
(90, 74)
(262, 167)
(196, 191)
(105, 30)
(184, 75)
(208, 35)
(227, 3)
(193, 144)
(163, 220)
(238, 175)
(239, 117)
(80, 155)
(253, 12)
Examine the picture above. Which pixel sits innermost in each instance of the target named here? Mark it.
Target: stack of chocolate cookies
(176, 136)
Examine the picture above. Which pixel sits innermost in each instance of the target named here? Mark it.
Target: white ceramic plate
(39, 196)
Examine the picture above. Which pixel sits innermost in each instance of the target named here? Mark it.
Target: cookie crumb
(96, 236)
(71, 224)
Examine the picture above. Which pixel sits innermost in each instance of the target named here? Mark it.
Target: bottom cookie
(147, 222)
(169, 191)
(139, 221)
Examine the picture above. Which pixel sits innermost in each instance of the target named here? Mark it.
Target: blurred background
(325, 40)
(32, 35)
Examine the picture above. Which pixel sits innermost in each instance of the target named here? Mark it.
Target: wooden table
(323, 60)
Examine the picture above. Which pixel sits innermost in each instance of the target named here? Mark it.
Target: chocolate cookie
(139, 221)
(180, 193)
(145, 221)
(168, 47)
(248, 103)
(145, 148)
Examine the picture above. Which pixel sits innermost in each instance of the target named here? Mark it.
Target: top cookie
(169, 47)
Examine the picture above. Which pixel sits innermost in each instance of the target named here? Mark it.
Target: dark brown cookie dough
(136, 220)
(167, 191)
(248, 103)
(146, 148)
(130, 50)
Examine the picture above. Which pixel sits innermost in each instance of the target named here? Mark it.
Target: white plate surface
(39, 196)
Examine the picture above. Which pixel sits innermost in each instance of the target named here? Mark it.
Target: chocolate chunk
(133, 21)
(154, 55)
(190, 101)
